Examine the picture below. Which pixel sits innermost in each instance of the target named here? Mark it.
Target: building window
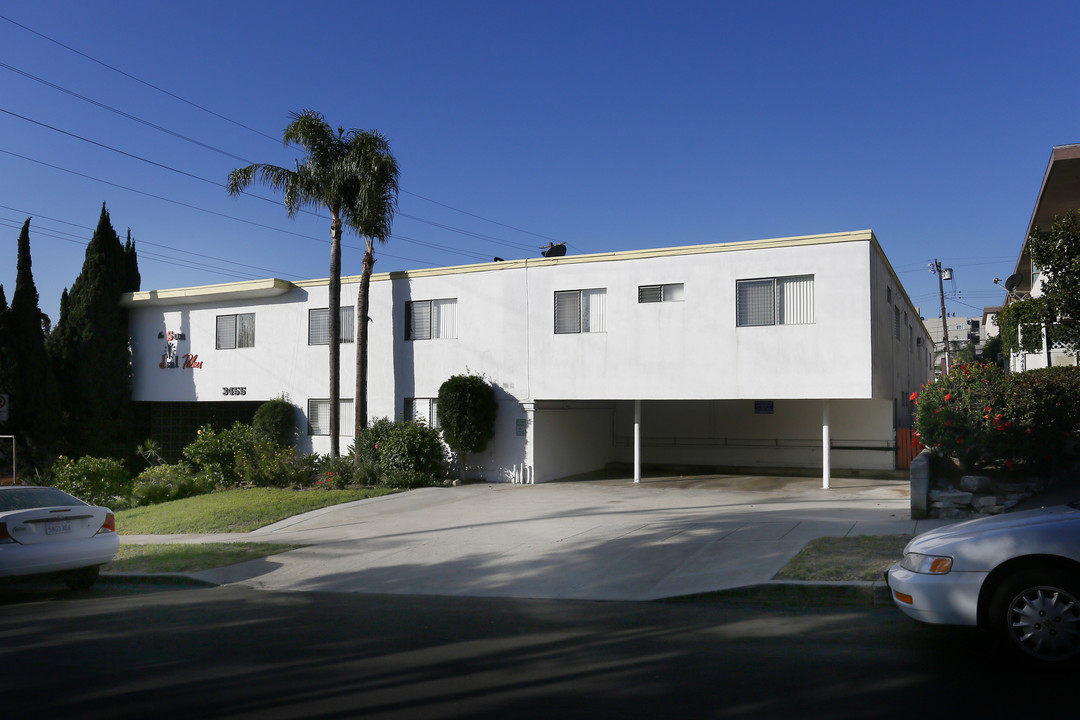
(660, 293)
(319, 325)
(581, 311)
(775, 301)
(896, 322)
(422, 410)
(431, 319)
(318, 413)
(235, 331)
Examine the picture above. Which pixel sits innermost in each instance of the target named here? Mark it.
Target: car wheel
(81, 579)
(1036, 612)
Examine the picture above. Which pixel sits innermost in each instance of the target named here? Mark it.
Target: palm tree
(354, 176)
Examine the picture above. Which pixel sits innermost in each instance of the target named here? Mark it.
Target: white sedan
(1017, 575)
(45, 530)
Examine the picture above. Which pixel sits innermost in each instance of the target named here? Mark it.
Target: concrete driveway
(600, 540)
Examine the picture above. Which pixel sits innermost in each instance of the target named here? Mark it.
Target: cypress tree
(33, 397)
(90, 349)
(5, 362)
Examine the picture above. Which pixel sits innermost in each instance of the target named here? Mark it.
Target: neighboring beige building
(1059, 193)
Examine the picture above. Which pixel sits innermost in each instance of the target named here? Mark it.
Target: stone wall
(979, 495)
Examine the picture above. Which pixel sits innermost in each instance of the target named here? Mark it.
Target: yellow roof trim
(246, 290)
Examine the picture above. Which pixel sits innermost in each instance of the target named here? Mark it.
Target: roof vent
(553, 250)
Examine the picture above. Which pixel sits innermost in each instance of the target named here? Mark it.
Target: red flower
(948, 396)
(914, 396)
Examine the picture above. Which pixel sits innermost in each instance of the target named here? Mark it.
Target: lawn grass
(176, 557)
(861, 557)
(232, 510)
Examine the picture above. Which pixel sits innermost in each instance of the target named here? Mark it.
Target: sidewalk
(598, 540)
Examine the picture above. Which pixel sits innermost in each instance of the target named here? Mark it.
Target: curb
(123, 578)
(801, 594)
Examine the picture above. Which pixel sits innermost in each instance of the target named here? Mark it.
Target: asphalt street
(234, 652)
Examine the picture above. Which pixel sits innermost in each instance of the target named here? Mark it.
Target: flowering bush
(334, 473)
(982, 415)
(366, 445)
(98, 481)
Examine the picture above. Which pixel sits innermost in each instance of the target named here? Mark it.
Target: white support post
(637, 441)
(826, 470)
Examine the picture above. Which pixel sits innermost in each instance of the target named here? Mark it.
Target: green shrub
(412, 446)
(162, 483)
(276, 420)
(365, 474)
(98, 481)
(403, 479)
(264, 463)
(213, 452)
(467, 409)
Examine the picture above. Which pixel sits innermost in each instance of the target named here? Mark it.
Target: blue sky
(607, 125)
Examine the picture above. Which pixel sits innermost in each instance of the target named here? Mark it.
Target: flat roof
(256, 289)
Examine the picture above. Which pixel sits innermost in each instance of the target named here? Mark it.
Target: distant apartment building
(962, 331)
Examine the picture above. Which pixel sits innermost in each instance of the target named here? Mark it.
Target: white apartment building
(786, 353)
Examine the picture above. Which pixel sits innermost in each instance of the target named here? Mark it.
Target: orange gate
(907, 447)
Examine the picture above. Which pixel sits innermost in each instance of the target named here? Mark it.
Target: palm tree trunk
(362, 336)
(335, 333)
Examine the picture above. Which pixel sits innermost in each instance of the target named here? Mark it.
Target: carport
(574, 437)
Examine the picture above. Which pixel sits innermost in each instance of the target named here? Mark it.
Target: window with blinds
(775, 301)
(431, 319)
(660, 293)
(422, 410)
(319, 325)
(235, 331)
(581, 311)
(318, 413)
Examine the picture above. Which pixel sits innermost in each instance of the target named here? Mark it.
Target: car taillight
(109, 525)
(5, 537)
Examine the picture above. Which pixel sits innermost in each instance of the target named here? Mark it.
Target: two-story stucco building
(754, 353)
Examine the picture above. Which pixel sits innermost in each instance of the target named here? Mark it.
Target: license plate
(58, 527)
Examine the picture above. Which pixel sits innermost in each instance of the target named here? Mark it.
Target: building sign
(172, 358)
(763, 407)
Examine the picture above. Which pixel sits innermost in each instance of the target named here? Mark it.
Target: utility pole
(935, 267)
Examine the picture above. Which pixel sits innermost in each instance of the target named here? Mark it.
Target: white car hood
(986, 542)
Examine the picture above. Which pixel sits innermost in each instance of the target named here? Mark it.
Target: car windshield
(25, 498)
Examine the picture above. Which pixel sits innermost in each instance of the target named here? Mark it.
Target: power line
(138, 80)
(142, 242)
(239, 124)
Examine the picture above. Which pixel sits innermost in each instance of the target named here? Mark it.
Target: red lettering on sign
(192, 361)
